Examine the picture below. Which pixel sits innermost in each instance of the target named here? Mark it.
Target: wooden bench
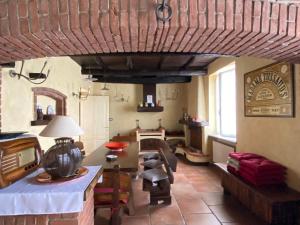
(277, 205)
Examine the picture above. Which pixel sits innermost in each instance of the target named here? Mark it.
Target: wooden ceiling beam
(188, 63)
(152, 54)
(144, 80)
(100, 62)
(158, 73)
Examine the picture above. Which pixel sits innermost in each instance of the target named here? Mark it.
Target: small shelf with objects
(57, 97)
(149, 103)
(194, 149)
(150, 109)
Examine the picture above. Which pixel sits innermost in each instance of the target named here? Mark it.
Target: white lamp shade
(61, 126)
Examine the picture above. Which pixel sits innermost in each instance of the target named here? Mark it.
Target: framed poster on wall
(269, 91)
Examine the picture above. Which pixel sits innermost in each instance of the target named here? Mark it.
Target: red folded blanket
(263, 179)
(232, 170)
(261, 165)
(265, 182)
(263, 174)
(242, 155)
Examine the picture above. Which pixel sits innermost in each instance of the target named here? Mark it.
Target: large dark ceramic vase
(63, 159)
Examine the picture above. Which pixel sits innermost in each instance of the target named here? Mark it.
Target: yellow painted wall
(124, 114)
(274, 138)
(196, 98)
(17, 96)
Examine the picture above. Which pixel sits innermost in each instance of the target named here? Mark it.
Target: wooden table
(127, 159)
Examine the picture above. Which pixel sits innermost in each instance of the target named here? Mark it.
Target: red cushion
(244, 155)
(256, 182)
(261, 165)
(232, 170)
(263, 174)
(280, 177)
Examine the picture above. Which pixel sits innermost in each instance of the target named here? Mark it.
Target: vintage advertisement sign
(269, 91)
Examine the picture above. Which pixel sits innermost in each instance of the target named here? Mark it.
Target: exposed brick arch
(37, 28)
(60, 98)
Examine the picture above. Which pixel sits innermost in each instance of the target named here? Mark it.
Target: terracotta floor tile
(216, 198)
(136, 220)
(201, 219)
(192, 205)
(233, 212)
(183, 190)
(166, 216)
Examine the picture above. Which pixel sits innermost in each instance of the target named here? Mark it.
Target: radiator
(221, 151)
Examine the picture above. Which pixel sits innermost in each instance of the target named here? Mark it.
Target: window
(226, 104)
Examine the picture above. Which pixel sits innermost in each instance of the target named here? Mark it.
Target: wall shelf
(39, 122)
(150, 109)
(190, 123)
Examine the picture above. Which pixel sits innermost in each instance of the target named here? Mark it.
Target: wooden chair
(158, 182)
(114, 192)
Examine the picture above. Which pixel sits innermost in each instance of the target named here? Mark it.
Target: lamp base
(63, 159)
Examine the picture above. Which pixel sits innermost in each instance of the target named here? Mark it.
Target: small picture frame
(149, 99)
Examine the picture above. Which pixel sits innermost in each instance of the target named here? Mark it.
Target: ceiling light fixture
(31, 76)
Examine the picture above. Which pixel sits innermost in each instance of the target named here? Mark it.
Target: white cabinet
(94, 120)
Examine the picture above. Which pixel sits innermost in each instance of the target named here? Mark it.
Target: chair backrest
(167, 166)
(79, 144)
(172, 160)
(115, 212)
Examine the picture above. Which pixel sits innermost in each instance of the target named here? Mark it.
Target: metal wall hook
(160, 8)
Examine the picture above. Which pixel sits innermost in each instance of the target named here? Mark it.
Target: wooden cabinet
(94, 120)
(275, 205)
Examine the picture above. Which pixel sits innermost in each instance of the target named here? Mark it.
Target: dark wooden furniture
(277, 205)
(115, 192)
(127, 159)
(162, 188)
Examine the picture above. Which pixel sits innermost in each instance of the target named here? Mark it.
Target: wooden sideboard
(275, 205)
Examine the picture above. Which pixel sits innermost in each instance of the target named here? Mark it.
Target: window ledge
(227, 140)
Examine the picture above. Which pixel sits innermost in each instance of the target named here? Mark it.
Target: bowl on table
(116, 146)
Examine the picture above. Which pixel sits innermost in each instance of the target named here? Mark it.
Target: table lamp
(64, 158)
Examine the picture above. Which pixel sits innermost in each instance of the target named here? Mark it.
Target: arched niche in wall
(58, 97)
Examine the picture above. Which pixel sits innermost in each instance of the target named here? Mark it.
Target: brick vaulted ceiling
(37, 28)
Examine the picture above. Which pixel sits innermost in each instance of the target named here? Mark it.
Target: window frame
(219, 100)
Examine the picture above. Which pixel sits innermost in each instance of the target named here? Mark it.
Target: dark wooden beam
(129, 62)
(161, 62)
(8, 65)
(156, 54)
(100, 62)
(144, 80)
(188, 63)
(158, 73)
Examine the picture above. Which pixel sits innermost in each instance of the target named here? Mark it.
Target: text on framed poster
(269, 91)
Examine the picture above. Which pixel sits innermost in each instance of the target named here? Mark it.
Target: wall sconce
(31, 76)
(119, 97)
(82, 94)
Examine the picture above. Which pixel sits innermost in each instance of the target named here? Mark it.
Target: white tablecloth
(27, 197)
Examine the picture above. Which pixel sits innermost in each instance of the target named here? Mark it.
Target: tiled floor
(197, 199)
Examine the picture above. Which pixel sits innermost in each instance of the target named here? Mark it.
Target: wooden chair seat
(105, 198)
(108, 193)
